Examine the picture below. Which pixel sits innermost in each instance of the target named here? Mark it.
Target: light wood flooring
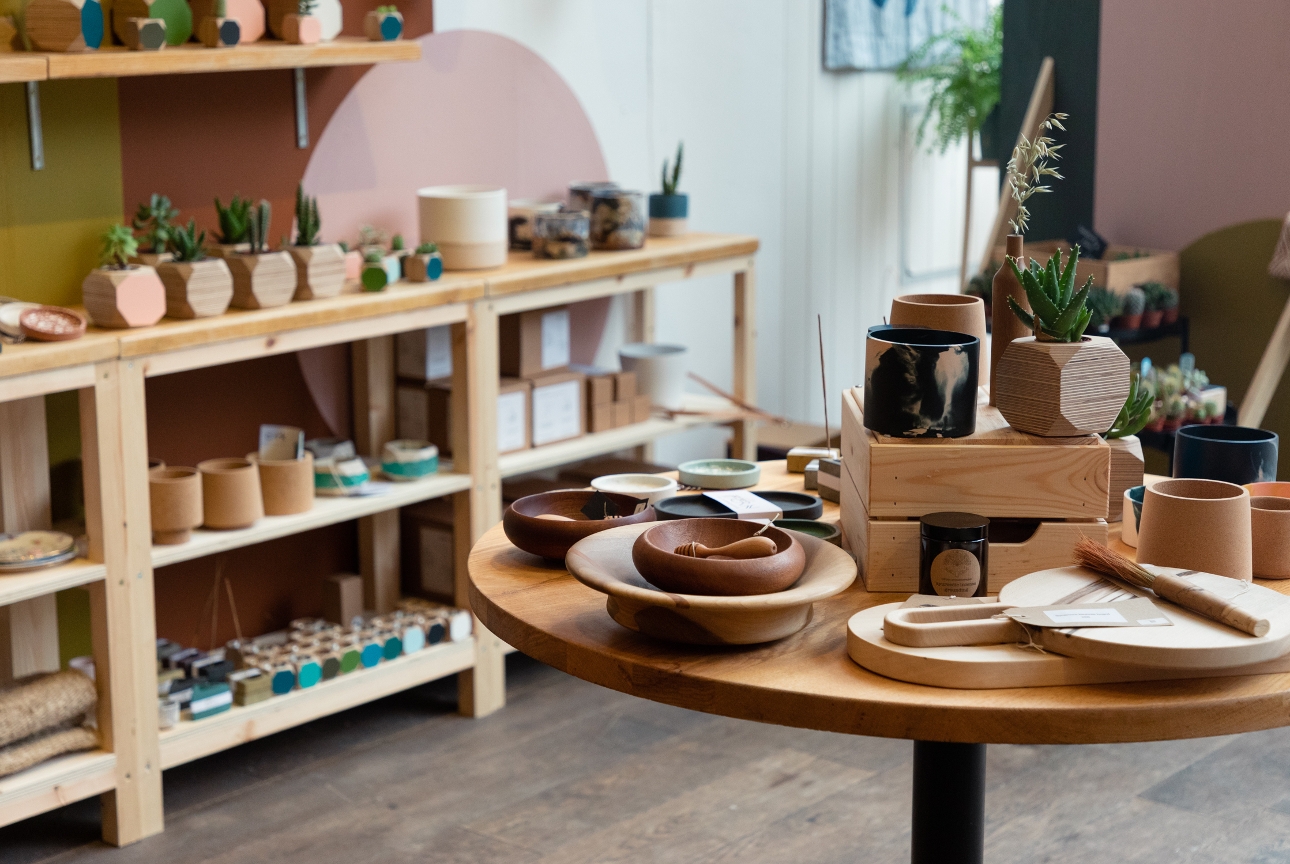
(569, 772)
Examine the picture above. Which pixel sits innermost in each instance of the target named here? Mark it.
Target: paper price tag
(745, 504)
(1137, 612)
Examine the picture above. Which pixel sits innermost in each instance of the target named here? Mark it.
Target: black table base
(949, 803)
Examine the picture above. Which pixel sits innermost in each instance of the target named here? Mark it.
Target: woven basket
(38, 748)
(38, 704)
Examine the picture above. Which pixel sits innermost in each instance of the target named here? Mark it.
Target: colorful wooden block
(63, 25)
(144, 34)
(383, 26)
(219, 32)
(249, 15)
(302, 29)
(175, 13)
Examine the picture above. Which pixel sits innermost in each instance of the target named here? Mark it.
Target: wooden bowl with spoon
(663, 555)
(549, 523)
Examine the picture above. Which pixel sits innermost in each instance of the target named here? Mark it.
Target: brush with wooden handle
(749, 547)
(1177, 590)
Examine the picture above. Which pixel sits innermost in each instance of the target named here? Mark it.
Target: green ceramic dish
(827, 533)
(719, 473)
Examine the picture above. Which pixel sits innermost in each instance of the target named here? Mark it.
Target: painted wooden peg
(63, 25)
(176, 14)
(219, 32)
(144, 34)
(249, 15)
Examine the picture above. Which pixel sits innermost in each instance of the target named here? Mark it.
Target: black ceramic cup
(1235, 454)
(920, 383)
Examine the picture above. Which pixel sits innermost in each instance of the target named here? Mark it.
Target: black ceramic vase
(1235, 454)
(920, 383)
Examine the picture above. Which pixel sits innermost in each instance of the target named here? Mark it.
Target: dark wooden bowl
(653, 555)
(552, 539)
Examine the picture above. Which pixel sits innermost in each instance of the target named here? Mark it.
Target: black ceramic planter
(920, 383)
(1235, 454)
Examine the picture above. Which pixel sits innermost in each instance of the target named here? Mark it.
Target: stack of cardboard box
(612, 400)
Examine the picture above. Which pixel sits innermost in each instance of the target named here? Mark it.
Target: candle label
(956, 572)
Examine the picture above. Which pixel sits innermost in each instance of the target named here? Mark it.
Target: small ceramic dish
(405, 460)
(32, 550)
(51, 324)
(648, 487)
(1269, 489)
(719, 473)
(11, 315)
(551, 538)
(826, 532)
(654, 557)
(794, 505)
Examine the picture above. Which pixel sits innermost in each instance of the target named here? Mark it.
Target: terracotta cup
(958, 313)
(230, 493)
(1269, 489)
(1270, 528)
(1197, 525)
(175, 499)
(288, 484)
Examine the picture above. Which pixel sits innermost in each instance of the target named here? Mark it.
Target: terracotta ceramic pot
(655, 557)
(287, 484)
(920, 383)
(957, 313)
(1269, 489)
(1197, 525)
(552, 538)
(175, 499)
(1270, 529)
(230, 493)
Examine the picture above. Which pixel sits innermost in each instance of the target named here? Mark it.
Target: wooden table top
(807, 680)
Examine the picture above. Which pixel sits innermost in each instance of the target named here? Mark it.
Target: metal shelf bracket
(34, 130)
(302, 111)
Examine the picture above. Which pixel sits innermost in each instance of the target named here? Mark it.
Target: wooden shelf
(193, 739)
(54, 783)
(599, 443)
(326, 511)
(117, 62)
(16, 587)
(23, 66)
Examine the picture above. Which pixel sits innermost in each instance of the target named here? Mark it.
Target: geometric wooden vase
(264, 280)
(301, 29)
(219, 32)
(1126, 472)
(129, 297)
(249, 15)
(320, 270)
(383, 26)
(175, 498)
(1061, 389)
(1201, 525)
(196, 289)
(176, 13)
(64, 25)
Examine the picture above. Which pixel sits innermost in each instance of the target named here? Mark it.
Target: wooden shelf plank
(326, 511)
(16, 587)
(117, 62)
(598, 443)
(194, 739)
(22, 66)
(31, 358)
(54, 783)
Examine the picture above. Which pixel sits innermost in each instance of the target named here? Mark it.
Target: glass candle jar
(617, 219)
(953, 556)
(580, 193)
(561, 235)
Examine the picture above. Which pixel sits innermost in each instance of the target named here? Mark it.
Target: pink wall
(1193, 120)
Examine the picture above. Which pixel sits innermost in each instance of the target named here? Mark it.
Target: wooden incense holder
(753, 547)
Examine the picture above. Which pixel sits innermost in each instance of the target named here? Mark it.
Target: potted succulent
(353, 261)
(383, 24)
(1169, 306)
(120, 293)
(303, 27)
(261, 278)
(320, 267)
(196, 286)
(668, 210)
(1127, 463)
(217, 30)
(154, 219)
(423, 265)
(399, 250)
(1058, 382)
(1103, 306)
(1132, 305)
(375, 277)
(1153, 314)
(234, 228)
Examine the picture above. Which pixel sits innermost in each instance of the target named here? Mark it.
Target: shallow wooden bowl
(551, 538)
(653, 555)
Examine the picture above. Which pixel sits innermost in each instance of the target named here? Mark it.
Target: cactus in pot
(668, 210)
(261, 278)
(196, 286)
(1132, 304)
(320, 267)
(120, 293)
(423, 265)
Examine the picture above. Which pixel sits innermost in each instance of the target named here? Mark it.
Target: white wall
(813, 163)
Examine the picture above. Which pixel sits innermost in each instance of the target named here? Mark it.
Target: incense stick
(828, 437)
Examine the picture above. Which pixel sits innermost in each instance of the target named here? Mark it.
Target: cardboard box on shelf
(424, 413)
(427, 550)
(642, 409)
(534, 343)
(600, 384)
(424, 355)
(624, 386)
(600, 418)
(342, 598)
(557, 407)
(623, 414)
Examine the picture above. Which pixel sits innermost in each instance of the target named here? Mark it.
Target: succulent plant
(371, 237)
(258, 233)
(219, 9)
(234, 220)
(1136, 412)
(427, 248)
(397, 244)
(387, 10)
(307, 222)
(670, 186)
(1059, 310)
(188, 244)
(1134, 302)
(1169, 299)
(154, 220)
(119, 246)
(1104, 305)
(1154, 295)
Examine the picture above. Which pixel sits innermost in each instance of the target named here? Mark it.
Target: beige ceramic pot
(288, 484)
(175, 498)
(1270, 529)
(230, 493)
(1197, 525)
(958, 313)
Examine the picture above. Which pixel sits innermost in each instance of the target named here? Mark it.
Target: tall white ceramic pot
(468, 222)
(660, 371)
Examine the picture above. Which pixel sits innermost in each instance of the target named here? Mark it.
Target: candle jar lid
(951, 526)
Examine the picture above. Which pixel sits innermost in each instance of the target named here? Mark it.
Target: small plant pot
(1131, 510)
(383, 26)
(468, 223)
(231, 495)
(561, 235)
(1270, 530)
(921, 383)
(249, 15)
(667, 214)
(660, 371)
(176, 16)
(63, 25)
(152, 259)
(1061, 389)
(219, 32)
(227, 250)
(425, 267)
(1156, 425)
(175, 499)
(1199, 525)
(196, 289)
(287, 484)
(1127, 322)
(375, 277)
(144, 34)
(1151, 319)
(130, 297)
(1169, 316)
(320, 270)
(353, 265)
(957, 313)
(302, 29)
(1127, 466)
(263, 281)
(1235, 454)
(617, 219)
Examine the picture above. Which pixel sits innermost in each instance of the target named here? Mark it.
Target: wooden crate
(1157, 265)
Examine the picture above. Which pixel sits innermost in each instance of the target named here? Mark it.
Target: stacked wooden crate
(1041, 494)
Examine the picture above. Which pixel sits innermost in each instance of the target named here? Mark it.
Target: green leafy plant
(1029, 166)
(371, 237)
(1136, 412)
(1060, 314)
(372, 257)
(343, 244)
(1169, 299)
(258, 233)
(1103, 305)
(234, 220)
(427, 248)
(670, 185)
(119, 246)
(1154, 294)
(188, 243)
(396, 243)
(1134, 302)
(154, 219)
(387, 10)
(962, 66)
(307, 222)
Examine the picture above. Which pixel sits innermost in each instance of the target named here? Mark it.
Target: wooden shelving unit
(17, 587)
(54, 783)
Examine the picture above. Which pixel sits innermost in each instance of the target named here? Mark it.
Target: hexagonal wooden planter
(219, 32)
(320, 270)
(383, 26)
(176, 13)
(129, 297)
(1061, 389)
(64, 25)
(423, 268)
(249, 15)
(264, 280)
(302, 29)
(196, 289)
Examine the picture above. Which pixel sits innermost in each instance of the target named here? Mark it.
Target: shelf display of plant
(1103, 306)
(261, 278)
(302, 26)
(383, 24)
(668, 210)
(234, 228)
(1183, 395)
(1132, 305)
(372, 239)
(1058, 382)
(423, 265)
(375, 277)
(120, 293)
(196, 286)
(176, 15)
(1153, 296)
(154, 219)
(217, 30)
(320, 267)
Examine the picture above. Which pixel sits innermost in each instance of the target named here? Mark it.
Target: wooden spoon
(749, 547)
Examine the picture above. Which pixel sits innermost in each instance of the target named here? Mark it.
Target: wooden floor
(569, 772)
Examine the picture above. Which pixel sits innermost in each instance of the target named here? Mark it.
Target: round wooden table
(807, 680)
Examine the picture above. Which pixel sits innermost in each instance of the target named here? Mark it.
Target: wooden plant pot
(8, 34)
(64, 25)
(219, 32)
(423, 268)
(302, 29)
(176, 14)
(328, 13)
(196, 289)
(230, 493)
(262, 281)
(1270, 526)
(1199, 525)
(1127, 467)
(383, 26)
(353, 265)
(175, 499)
(288, 484)
(1061, 389)
(152, 259)
(374, 277)
(132, 297)
(144, 34)
(320, 271)
(249, 15)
